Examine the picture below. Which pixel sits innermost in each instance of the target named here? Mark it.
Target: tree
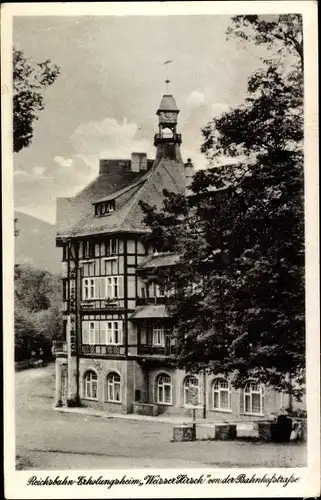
(30, 79)
(38, 315)
(239, 305)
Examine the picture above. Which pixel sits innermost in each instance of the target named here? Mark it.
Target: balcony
(59, 348)
(100, 349)
(143, 301)
(100, 304)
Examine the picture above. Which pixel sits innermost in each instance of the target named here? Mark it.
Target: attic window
(104, 208)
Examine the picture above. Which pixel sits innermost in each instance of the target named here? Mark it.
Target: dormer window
(104, 208)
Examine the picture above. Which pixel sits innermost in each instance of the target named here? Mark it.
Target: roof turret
(167, 104)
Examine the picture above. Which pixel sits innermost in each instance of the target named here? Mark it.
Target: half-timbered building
(119, 349)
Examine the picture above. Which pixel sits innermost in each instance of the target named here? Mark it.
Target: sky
(112, 77)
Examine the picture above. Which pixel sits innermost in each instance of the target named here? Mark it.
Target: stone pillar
(72, 399)
(58, 399)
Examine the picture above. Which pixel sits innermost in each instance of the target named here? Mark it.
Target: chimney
(138, 162)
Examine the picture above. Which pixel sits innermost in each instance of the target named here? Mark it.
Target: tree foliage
(38, 316)
(30, 79)
(239, 306)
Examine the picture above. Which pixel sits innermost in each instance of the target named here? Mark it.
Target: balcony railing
(59, 347)
(100, 349)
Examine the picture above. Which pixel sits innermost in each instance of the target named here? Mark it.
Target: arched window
(114, 388)
(191, 391)
(168, 132)
(254, 398)
(164, 389)
(90, 385)
(221, 394)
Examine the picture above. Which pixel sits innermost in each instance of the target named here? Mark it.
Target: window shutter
(85, 332)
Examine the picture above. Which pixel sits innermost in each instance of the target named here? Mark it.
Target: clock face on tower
(167, 117)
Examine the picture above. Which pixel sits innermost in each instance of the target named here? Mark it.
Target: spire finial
(167, 81)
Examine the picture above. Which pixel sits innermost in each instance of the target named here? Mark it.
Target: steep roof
(150, 311)
(76, 217)
(168, 103)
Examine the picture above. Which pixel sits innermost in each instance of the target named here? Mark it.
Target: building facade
(120, 349)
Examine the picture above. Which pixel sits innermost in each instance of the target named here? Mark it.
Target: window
(89, 288)
(164, 389)
(102, 288)
(88, 269)
(191, 391)
(254, 398)
(113, 287)
(93, 333)
(90, 385)
(88, 249)
(111, 246)
(102, 332)
(111, 267)
(113, 388)
(221, 394)
(113, 332)
(104, 208)
(158, 334)
(110, 206)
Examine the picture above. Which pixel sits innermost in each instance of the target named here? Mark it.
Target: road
(47, 439)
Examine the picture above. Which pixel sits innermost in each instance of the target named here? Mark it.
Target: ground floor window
(221, 394)
(114, 388)
(90, 385)
(164, 389)
(254, 398)
(191, 391)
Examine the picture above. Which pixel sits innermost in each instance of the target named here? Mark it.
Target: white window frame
(89, 288)
(111, 383)
(105, 332)
(93, 332)
(114, 332)
(187, 386)
(113, 285)
(218, 389)
(248, 393)
(89, 383)
(158, 335)
(164, 381)
(111, 246)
